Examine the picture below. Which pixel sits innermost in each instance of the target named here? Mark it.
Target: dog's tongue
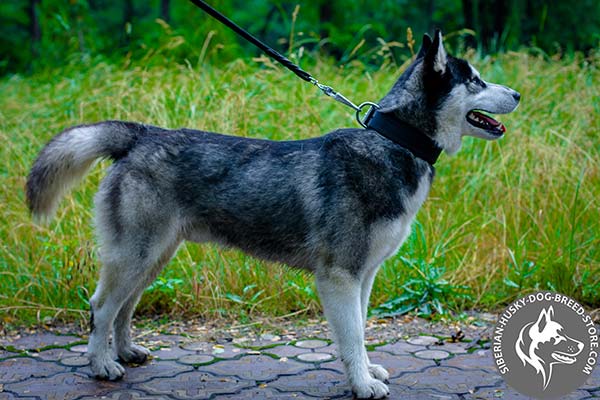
(496, 124)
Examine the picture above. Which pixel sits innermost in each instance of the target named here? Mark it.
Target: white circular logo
(545, 345)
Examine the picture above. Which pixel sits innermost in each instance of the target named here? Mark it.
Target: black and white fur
(337, 205)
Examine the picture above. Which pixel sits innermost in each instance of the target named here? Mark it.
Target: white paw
(105, 368)
(134, 354)
(379, 373)
(371, 389)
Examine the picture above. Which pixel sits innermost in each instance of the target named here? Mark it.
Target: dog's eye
(476, 81)
(558, 339)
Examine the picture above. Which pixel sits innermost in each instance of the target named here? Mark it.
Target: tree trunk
(128, 12)
(325, 16)
(469, 15)
(430, 11)
(500, 18)
(34, 27)
(165, 12)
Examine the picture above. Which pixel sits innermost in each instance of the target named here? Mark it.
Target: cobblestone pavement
(50, 366)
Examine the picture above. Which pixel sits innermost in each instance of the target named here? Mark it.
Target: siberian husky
(337, 205)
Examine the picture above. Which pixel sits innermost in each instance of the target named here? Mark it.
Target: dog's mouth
(481, 119)
(563, 358)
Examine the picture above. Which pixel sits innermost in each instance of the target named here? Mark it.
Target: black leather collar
(407, 136)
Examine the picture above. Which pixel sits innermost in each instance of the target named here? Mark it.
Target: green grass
(502, 218)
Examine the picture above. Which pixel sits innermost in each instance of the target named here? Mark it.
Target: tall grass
(503, 217)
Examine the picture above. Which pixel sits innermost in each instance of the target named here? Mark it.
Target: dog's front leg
(376, 370)
(340, 293)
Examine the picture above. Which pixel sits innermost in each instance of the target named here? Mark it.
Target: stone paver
(126, 395)
(454, 348)
(10, 396)
(423, 340)
(79, 348)
(6, 354)
(401, 347)
(265, 392)
(432, 354)
(256, 367)
(311, 344)
(66, 385)
(195, 385)
(397, 365)
(196, 346)
(317, 383)
(54, 354)
(448, 380)
(505, 392)
(21, 368)
(315, 357)
(39, 341)
(192, 359)
(480, 359)
(155, 369)
(171, 353)
(75, 361)
(285, 351)
(421, 368)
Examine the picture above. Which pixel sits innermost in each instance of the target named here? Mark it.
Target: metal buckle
(368, 115)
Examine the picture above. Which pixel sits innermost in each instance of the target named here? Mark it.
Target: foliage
(427, 294)
(84, 30)
(493, 209)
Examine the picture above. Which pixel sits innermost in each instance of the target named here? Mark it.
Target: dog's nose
(516, 95)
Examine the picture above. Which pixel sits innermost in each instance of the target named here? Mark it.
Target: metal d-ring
(372, 107)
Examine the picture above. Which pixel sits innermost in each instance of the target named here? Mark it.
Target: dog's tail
(68, 156)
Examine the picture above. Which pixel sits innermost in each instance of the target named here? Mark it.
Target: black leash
(243, 33)
(386, 124)
(302, 74)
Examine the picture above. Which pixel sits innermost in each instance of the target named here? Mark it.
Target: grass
(503, 217)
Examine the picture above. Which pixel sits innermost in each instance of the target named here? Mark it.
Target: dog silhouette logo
(545, 345)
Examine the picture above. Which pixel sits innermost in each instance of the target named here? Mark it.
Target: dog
(543, 344)
(337, 205)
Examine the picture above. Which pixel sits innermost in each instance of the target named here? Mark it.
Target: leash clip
(363, 121)
(329, 91)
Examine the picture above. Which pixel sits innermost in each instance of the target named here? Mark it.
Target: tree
(34, 27)
(165, 14)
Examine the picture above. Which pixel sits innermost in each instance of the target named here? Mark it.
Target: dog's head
(544, 343)
(446, 98)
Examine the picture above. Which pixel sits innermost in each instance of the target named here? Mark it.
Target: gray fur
(337, 205)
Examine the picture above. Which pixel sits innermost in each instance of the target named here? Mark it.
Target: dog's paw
(134, 354)
(379, 373)
(371, 389)
(106, 369)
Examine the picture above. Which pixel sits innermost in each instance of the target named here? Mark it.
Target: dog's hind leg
(124, 348)
(136, 234)
(340, 293)
(123, 278)
(112, 291)
(376, 370)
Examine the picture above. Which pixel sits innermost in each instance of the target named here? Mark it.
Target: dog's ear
(436, 58)
(424, 46)
(544, 318)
